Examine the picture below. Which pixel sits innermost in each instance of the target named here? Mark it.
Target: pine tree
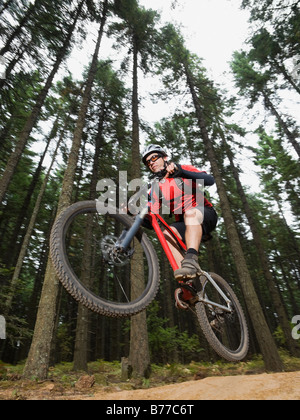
(108, 96)
(254, 85)
(138, 30)
(184, 67)
(33, 117)
(263, 257)
(39, 356)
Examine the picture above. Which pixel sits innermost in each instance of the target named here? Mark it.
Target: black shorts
(209, 223)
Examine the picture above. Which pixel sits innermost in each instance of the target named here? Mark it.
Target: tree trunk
(22, 219)
(81, 339)
(5, 6)
(136, 157)
(31, 121)
(291, 137)
(10, 66)
(167, 300)
(139, 357)
(263, 334)
(39, 355)
(281, 69)
(26, 241)
(275, 295)
(20, 27)
(82, 327)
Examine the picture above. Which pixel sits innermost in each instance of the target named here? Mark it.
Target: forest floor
(195, 381)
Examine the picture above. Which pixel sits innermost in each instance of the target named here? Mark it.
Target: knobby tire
(232, 355)
(72, 283)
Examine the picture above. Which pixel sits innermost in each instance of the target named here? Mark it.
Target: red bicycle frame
(154, 220)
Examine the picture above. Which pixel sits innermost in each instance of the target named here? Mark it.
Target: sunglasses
(153, 159)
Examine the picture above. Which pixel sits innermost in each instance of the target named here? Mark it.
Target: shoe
(190, 268)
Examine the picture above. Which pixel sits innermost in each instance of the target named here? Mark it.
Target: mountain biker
(191, 225)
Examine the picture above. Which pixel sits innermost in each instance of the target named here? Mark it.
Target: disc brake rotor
(113, 254)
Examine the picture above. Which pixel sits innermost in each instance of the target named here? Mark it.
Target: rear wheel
(90, 267)
(226, 332)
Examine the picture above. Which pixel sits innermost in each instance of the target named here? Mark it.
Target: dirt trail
(280, 386)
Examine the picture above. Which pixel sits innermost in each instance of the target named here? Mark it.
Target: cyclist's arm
(183, 173)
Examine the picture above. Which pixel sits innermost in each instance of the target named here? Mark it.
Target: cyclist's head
(152, 154)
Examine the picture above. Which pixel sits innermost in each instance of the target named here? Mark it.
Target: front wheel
(84, 254)
(226, 331)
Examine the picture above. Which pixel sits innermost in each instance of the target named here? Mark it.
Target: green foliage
(137, 29)
(259, 72)
(250, 81)
(165, 341)
(65, 343)
(279, 171)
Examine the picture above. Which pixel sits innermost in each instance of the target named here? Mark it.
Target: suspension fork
(130, 234)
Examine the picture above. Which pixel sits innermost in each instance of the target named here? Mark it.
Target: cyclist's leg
(176, 251)
(193, 220)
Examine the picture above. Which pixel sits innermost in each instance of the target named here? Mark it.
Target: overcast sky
(212, 29)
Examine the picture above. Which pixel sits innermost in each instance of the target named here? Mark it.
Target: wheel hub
(112, 252)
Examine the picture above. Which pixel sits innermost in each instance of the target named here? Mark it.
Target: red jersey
(178, 194)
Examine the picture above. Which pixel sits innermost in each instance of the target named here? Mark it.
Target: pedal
(185, 296)
(179, 302)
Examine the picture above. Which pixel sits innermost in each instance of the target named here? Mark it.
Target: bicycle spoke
(122, 288)
(92, 244)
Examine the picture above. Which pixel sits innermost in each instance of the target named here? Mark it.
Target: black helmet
(153, 148)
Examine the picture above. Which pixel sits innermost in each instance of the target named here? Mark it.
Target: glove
(178, 171)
